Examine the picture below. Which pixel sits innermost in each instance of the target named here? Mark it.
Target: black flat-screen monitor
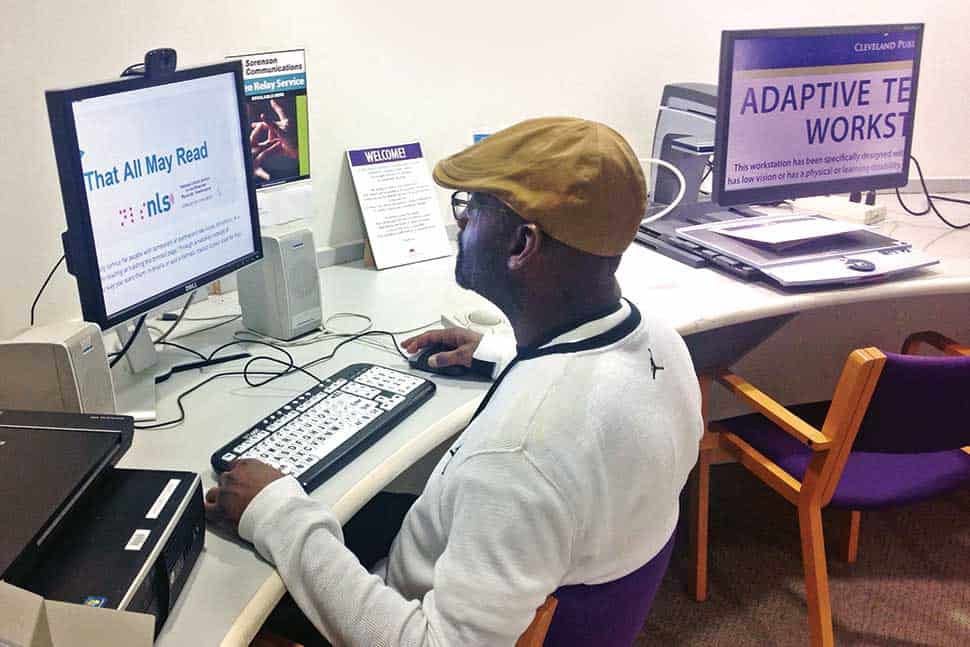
(814, 111)
(156, 180)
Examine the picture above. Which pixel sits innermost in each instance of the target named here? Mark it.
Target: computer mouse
(420, 362)
(860, 264)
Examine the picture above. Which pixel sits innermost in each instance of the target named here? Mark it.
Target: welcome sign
(399, 204)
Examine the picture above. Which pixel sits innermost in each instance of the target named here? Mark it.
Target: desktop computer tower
(129, 545)
(280, 295)
(59, 367)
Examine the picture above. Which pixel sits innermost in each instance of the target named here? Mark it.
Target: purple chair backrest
(610, 614)
(921, 404)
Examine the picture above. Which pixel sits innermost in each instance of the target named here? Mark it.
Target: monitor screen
(814, 111)
(157, 187)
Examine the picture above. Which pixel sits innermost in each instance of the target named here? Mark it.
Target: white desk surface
(706, 299)
(231, 590)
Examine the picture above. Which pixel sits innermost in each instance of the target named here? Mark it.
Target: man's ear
(526, 244)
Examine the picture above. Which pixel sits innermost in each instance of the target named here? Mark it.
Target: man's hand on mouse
(238, 486)
(461, 340)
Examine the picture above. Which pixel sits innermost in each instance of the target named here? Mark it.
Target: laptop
(49, 461)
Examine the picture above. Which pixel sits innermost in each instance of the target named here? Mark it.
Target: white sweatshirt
(570, 475)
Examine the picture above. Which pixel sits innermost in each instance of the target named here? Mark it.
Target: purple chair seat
(609, 614)
(870, 479)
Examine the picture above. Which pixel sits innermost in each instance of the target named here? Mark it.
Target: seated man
(569, 472)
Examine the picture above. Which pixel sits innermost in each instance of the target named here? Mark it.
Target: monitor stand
(135, 394)
(134, 380)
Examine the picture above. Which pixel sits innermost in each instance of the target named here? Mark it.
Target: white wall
(383, 72)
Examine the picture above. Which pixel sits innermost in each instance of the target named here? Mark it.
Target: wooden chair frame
(831, 446)
(937, 341)
(535, 633)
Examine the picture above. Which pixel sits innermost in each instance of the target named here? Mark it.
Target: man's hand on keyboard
(225, 503)
(461, 340)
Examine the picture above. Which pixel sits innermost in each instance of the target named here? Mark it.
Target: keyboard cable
(248, 373)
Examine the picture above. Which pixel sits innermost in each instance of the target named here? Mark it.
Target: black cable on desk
(290, 367)
(178, 319)
(949, 199)
(230, 319)
(244, 373)
(215, 318)
(131, 340)
(178, 401)
(929, 200)
(180, 347)
(355, 337)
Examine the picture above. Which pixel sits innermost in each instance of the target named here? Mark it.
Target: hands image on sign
(272, 138)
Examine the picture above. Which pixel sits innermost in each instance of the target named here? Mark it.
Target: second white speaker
(280, 295)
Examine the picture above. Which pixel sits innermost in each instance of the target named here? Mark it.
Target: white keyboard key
(389, 380)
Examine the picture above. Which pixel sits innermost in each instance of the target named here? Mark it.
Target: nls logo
(158, 204)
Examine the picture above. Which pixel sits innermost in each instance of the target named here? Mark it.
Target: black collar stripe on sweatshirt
(606, 338)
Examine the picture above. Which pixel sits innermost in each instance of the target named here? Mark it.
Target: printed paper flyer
(276, 89)
(399, 204)
(832, 107)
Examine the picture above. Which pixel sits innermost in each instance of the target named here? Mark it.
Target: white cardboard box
(28, 620)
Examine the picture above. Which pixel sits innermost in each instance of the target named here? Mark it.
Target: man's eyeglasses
(459, 204)
(465, 205)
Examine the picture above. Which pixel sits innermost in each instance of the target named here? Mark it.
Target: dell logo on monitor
(190, 287)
